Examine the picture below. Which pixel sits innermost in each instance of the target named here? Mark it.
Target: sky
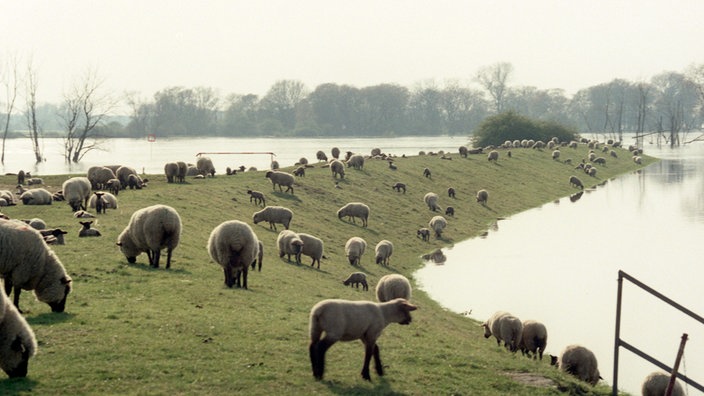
(244, 47)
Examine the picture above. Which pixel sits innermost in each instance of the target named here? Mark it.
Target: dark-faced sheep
(20, 177)
(431, 199)
(423, 233)
(493, 156)
(463, 151)
(320, 156)
(150, 230)
(399, 186)
(300, 171)
(383, 251)
(274, 215)
(438, 224)
(354, 249)
(289, 244)
(656, 383)
(356, 161)
(427, 173)
(354, 210)
(574, 181)
(451, 192)
(578, 361)
(337, 168)
(234, 246)
(356, 279)
(205, 166)
(77, 191)
(312, 247)
(37, 196)
(281, 179)
(533, 339)
(504, 327)
(257, 197)
(449, 211)
(17, 341)
(86, 231)
(483, 197)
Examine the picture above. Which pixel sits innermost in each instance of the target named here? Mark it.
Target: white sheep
(150, 230)
(655, 384)
(289, 244)
(504, 327)
(482, 196)
(182, 170)
(35, 181)
(234, 246)
(493, 155)
(273, 215)
(431, 199)
(556, 154)
(36, 223)
(282, 179)
(423, 233)
(578, 361)
(354, 249)
(36, 196)
(534, 339)
(122, 173)
(337, 168)
(354, 209)
(437, 224)
(109, 201)
(312, 247)
(205, 166)
(393, 286)
(383, 251)
(77, 191)
(171, 171)
(26, 262)
(356, 161)
(355, 279)
(17, 342)
(86, 231)
(343, 320)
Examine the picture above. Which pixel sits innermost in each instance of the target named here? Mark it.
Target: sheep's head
(487, 330)
(55, 293)
(16, 358)
(404, 309)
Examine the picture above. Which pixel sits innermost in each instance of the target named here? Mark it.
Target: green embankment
(130, 329)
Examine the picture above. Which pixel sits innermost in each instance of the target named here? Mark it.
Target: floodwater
(559, 264)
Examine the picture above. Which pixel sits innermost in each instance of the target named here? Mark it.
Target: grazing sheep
(342, 320)
(437, 224)
(320, 156)
(592, 172)
(26, 262)
(37, 196)
(431, 199)
(134, 181)
(534, 339)
(122, 173)
(107, 200)
(451, 192)
(289, 244)
(54, 236)
(556, 155)
(355, 279)
(599, 160)
(493, 155)
(273, 215)
(427, 173)
(384, 249)
(312, 247)
(423, 233)
(399, 186)
(574, 181)
(580, 362)
(356, 161)
(150, 230)
(335, 152)
(354, 209)
(656, 383)
(86, 231)
(354, 249)
(234, 246)
(302, 161)
(17, 342)
(99, 176)
(300, 171)
(393, 286)
(114, 186)
(282, 179)
(171, 171)
(483, 197)
(205, 166)
(449, 211)
(504, 327)
(77, 190)
(463, 151)
(257, 197)
(638, 160)
(20, 177)
(337, 168)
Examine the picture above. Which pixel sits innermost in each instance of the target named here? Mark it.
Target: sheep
(355, 279)
(574, 181)
(171, 171)
(348, 155)
(86, 231)
(592, 172)
(656, 383)
(384, 249)
(107, 200)
(354, 249)
(302, 161)
(556, 155)
(150, 230)
(7, 197)
(578, 361)
(99, 176)
(493, 156)
(114, 186)
(82, 214)
(320, 156)
(504, 327)
(337, 168)
(437, 224)
(182, 170)
(599, 160)
(482, 196)
(476, 151)
(356, 161)
(20, 177)
(205, 166)
(300, 171)
(274, 165)
(534, 339)
(37, 196)
(423, 233)
(289, 244)
(354, 209)
(134, 181)
(343, 320)
(36, 223)
(436, 256)
(234, 245)
(17, 341)
(192, 171)
(427, 173)
(463, 151)
(77, 190)
(451, 192)
(35, 181)
(26, 262)
(637, 159)
(282, 179)
(54, 236)
(392, 166)
(393, 286)
(431, 199)
(449, 211)
(122, 173)
(399, 186)
(260, 258)
(273, 215)
(312, 247)
(335, 152)
(613, 154)
(99, 203)
(257, 197)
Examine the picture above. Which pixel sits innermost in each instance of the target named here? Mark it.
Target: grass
(130, 329)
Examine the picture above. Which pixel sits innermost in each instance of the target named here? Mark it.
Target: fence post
(676, 367)
(617, 337)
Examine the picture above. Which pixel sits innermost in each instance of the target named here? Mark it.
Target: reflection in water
(576, 196)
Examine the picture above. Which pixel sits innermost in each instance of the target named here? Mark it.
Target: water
(151, 156)
(559, 264)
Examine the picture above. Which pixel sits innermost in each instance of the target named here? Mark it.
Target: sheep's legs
(377, 361)
(317, 356)
(168, 258)
(369, 350)
(229, 279)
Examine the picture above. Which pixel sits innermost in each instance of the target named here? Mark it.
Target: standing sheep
(356, 161)
(451, 192)
(656, 383)
(463, 151)
(289, 244)
(342, 320)
(171, 171)
(312, 247)
(338, 169)
(399, 186)
(257, 197)
(354, 249)
(354, 209)
(384, 249)
(431, 199)
(427, 173)
(234, 246)
(423, 233)
(393, 286)
(482, 197)
(437, 224)
(205, 166)
(556, 155)
(493, 156)
(282, 179)
(320, 156)
(182, 170)
(534, 339)
(26, 262)
(504, 327)
(578, 361)
(335, 152)
(77, 191)
(99, 176)
(122, 173)
(17, 342)
(273, 215)
(150, 230)
(355, 279)
(574, 181)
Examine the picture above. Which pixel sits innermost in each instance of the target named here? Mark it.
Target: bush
(495, 130)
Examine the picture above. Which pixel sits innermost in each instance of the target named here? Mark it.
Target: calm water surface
(559, 264)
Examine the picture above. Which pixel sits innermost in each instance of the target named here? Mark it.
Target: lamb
(493, 156)
(300, 171)
(282, 179)
(423, 233)
(427, 173)
(356, 161)
(82, 214)
(482, 197)
(574, 181)
(354, 249)
(56, 235)
(393, 286)
(399, 186)
(312, 247)
(637, 159)
(134, 181)
(449, 211)
(77, 191)
(26, 262)
(431, 199)
(451, 192)
(273, 215)
(337, 168)
(182, 170)
(35, 181)
(114, 186)
(438, 224)
(599, 160)
(343, 320)
(504, 327)
(257, 197)
(107, 200)
(86, 231)
(655, 384)
(150, 230)
(592, 172)
(354, 209)
(234, 246)
(171, 171)
(578, 361)
(392, 166)
(205, 166)
(355, 279)
(17, 342)
(534, 339)
(289, 244)
(384, 249)
(37, 196)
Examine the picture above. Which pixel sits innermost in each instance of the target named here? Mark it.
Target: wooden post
(673, 375)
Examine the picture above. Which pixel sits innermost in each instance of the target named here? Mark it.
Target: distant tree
(462, 109)
(31, 85)
(10, 82)
(497, 129)
(675, 101)
(494, 79)
(281, 100)
(241, 115)
(425, 110)
(382, 110)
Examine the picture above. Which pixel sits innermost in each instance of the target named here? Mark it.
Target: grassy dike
(130, 329)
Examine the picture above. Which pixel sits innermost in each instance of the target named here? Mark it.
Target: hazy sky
(245, 46)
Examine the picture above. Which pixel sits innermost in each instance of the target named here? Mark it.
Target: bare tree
(494, 79)
(31, 85)
(10, 82)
